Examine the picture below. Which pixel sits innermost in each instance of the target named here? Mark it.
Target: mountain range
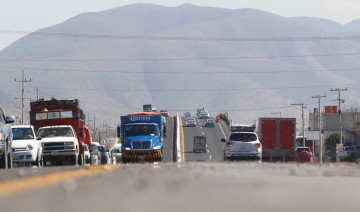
(246, 62)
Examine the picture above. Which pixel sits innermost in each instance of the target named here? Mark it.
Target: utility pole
(339, 109)
(303, 121)
(23, 80)
(37, 94)
(319, 114)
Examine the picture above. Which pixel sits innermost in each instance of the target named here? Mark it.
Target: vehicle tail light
(258, 145)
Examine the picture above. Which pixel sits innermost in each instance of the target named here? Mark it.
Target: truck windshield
(143, 129)
(55, 132)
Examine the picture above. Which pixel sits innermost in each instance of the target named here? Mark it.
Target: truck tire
(81, 160)
(74, 160)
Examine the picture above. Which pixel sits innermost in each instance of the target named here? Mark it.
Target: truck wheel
(74, 160)
(81, 161)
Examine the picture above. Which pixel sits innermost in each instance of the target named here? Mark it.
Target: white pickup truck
(59, 144)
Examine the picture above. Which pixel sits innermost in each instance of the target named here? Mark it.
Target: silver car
(190, 122)
(244, 145)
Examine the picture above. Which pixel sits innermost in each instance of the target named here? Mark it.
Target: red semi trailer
(277, 136)
(61, 113)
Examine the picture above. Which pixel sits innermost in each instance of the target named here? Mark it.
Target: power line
(186, 72)
(174, 109)
(176, 59)
(189, 90)
(180, 38)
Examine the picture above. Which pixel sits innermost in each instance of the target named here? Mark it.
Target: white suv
(242, 145)
(204, 114)
(25, 146)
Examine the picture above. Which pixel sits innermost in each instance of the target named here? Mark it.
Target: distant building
(331, 123)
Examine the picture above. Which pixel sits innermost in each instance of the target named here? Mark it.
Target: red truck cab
(55, 112)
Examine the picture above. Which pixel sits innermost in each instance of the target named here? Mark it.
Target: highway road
(200, 182)
(214, 146)
(191, 186)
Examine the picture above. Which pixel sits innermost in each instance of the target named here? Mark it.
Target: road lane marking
(172, 143)
(182, 142)
(11, 187)
(222, 130)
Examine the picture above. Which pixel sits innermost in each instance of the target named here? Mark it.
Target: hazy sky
(31, 15)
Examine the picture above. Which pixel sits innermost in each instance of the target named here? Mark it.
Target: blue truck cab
(141, 136)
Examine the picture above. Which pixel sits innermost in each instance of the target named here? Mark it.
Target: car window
(244, 137)
(22, 133)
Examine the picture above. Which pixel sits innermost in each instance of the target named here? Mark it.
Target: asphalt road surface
(214, 186)
(201, 182)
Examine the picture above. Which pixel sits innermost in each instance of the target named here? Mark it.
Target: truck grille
(56, 146)
(141, 144)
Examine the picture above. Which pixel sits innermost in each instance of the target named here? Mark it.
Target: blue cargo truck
(142, 137)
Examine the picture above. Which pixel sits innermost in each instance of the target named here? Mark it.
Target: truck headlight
(29, 147)
(157, 147)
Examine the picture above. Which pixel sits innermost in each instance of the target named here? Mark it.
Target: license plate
(55, 153)
(242, 148)
(15, 157)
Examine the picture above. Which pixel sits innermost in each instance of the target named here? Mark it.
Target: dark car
(104, 155)
(5, 140)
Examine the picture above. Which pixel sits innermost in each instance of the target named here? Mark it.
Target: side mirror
(9, 119)
(223, 140)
